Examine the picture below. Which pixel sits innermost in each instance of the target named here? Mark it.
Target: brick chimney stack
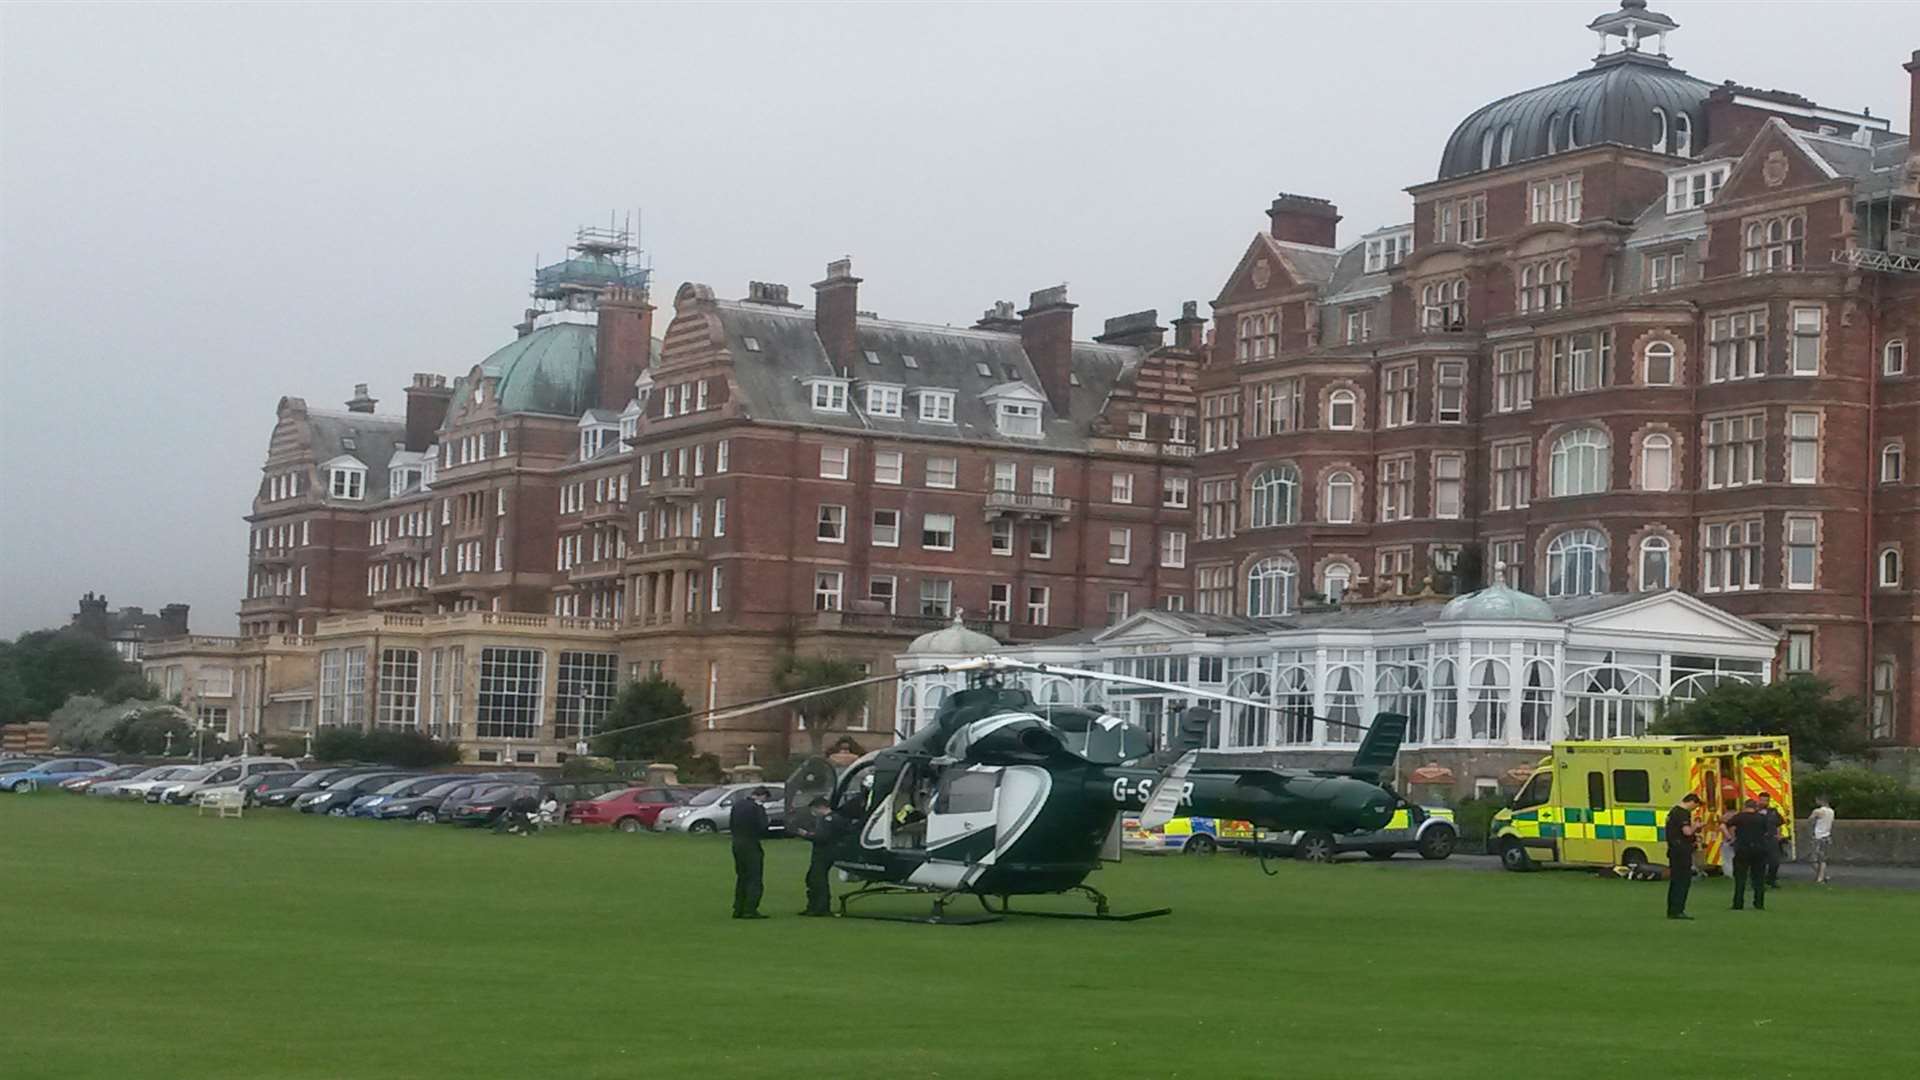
(1046, 333)
(1141, 328)
(1190, 330)
(92, 618)
(427, 401)
(360, 402)
(623, 347)
(1303, 219)
(173, 621)
(999, 317)
(836, 313)
(1913, 106)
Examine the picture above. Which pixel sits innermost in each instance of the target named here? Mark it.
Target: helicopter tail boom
(1268, 798)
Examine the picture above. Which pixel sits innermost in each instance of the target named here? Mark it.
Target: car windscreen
(396, 787)
(490, 792)
(314, 779)
(199, 773)
(447, 787)
(611, 796)
(708, 797)
(364, 784)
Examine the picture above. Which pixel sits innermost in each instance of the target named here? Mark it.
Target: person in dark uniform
(1774, 843)
(1680, 845)
(824, 828)
(747, 822)
(1749, 828)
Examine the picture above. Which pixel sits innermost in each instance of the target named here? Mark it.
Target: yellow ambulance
(1605, 803)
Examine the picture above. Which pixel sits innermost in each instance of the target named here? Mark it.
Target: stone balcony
(672, 547)
(1026, 505)
(602, 513)
(261, 605)
(407, 545)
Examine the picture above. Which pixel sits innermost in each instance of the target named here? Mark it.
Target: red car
(632, 810)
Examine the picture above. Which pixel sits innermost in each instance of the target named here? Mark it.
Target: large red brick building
(1643, 332)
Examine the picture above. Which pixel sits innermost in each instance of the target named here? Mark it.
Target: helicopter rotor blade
(1129, 680)
(1164, 804)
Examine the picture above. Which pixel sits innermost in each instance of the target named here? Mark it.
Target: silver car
(137, 788)
(708, 811)
(226, 774)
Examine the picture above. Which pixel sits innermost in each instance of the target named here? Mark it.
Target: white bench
(227, 802)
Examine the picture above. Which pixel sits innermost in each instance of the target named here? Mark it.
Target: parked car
(454, 805)
(317, 780)
(631, 809)
(138, 787)
(707, 812)
(50, 773)
(230, 773)
(1429, 830)
(18, 764)
(86, 780)
(486, 807)
(424, 806)
(264, 784)
(335, 799)
(368, 802)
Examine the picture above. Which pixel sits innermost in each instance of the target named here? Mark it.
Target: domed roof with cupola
(953, 639)
(1633, 96)
(1496, 603)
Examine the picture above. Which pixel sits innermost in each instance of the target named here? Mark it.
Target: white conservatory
(1487, 681)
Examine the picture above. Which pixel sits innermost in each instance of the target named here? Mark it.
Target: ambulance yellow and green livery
(1605, 803)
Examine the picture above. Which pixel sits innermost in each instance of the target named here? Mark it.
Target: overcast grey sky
(203, 208)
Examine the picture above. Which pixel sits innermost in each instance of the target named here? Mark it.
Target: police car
(1426, 829)
(1191, 835)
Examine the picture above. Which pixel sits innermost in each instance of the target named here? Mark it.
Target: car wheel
(1513, 856)
(1199, 844)
(703, 827)
(424, 817)
(1437, 843)
(1314, 847)
(1380, 854)
(338, 811)
(1633, 858)
(628, 824)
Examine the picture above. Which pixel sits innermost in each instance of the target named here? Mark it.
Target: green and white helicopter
(1000, 797)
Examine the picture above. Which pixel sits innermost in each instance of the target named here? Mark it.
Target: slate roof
(770, 378)
(369, 437)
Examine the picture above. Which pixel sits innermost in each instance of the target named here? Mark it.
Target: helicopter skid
(940, 916)
(1101, 911)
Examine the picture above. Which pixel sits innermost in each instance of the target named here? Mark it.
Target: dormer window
(347, 482)
(883, 400)
(1659, 130)
(1022, 419)
(936, 406)
(908, 360)
(1696, 187)
(829, 395)
(1682, 135)
(1388, 251)
(1137, 426)
(873, 358)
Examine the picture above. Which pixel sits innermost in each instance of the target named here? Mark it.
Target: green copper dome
(1496, 603)
(552, 370)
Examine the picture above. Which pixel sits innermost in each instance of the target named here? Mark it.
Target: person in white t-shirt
(1822, 822)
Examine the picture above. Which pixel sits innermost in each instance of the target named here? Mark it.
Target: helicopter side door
(962, 824)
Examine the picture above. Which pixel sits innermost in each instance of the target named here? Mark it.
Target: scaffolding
(598, 260)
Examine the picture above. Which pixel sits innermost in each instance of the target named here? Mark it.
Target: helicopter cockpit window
(966, 793)
(1536, 793)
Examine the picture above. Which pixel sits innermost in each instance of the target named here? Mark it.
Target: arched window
(1892, 463)
(1343, 410)
(909, 701)
(1577, 563)
(1446, 701)
(1271, 586)
(1402, 688)
(1343, 705)
(1486, 149)
(1656, 564)
(1276, 496)
(1536, 704)
(1579, 463)
(1659, 130)
(1296, 705)
(1247, 726)
(1573, 129)
(1339, 577)
(1890, 567)
(1607, 701)
(1658, 367)
(1893, 357)
(1338, 508)
(1487, 713)
(1554, 133)
(1682, 134)
(1506, 143)
(1656, 462)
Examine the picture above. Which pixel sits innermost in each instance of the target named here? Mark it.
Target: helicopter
(999, 796)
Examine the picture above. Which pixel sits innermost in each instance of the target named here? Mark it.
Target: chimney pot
(361, 402)
(1303, 219)
(1190, 330)
(836, 313)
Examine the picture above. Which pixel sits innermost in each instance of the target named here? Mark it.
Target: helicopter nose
(1370, 806)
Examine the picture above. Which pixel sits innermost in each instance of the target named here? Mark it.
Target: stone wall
(1891, 843)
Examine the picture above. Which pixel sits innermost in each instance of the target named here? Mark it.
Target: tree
(797, 673)
(643, 702)
(408, 749)
(40, 670)
(1801, 707)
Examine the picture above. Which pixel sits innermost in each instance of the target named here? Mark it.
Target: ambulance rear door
(1767, 771)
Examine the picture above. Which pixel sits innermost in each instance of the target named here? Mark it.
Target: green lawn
(148, 942)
